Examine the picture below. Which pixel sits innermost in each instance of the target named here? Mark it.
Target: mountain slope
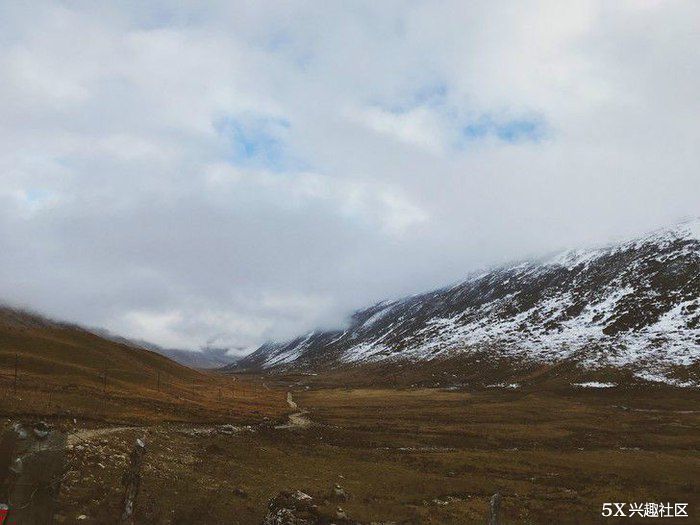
(52, 368)
(634, 306)
(206, 358)
(62, 349)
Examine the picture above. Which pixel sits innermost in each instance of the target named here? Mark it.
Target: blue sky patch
(524, 129)
(258, 142)
(36, 195)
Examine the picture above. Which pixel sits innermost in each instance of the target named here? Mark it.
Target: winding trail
(290, 401)
(297, 419)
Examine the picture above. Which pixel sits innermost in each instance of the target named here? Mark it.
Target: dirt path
(291, 402)
(87, 434)
(297, 419)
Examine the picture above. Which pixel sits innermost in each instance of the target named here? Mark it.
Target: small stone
(82, 517)
(17, 466)
(340, 514)
(338, 493)
(19, 430)
(227, 429)
(41, 430)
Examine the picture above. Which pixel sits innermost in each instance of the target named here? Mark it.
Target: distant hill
(47, 346)
(58, 369)
(629, 311)
(206, 358)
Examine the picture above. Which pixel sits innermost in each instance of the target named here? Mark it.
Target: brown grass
(64, 371)
(410, 455)
(420, 456)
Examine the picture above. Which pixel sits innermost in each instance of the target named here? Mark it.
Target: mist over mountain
(206, 357)
(632, 306)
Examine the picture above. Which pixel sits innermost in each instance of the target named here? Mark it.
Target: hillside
(629, 312)
(49, 367)
(205, 358)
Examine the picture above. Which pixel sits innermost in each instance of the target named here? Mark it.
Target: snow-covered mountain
(634, 306)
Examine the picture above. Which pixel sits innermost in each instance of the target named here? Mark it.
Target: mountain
(630, 311)
(64, 350)
(49, 368)
(206, 358)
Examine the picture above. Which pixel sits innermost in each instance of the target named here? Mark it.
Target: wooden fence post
(132, 482)
(495, 509)
(16, 370)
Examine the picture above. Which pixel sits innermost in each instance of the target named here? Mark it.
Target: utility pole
(16, 370)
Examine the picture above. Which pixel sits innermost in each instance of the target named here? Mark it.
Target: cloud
(190, 172)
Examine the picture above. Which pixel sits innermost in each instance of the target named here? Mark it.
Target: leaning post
(495, 509)
(132, 483)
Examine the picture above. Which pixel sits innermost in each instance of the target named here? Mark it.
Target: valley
(560, 386)
(400, 455)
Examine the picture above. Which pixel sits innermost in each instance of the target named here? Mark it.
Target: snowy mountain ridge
(634, 305)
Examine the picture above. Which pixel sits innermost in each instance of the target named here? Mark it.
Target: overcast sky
(228, 172)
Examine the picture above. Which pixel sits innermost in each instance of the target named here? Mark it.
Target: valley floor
(414, 456)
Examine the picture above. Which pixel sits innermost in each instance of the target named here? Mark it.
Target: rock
(240, 492)
(298, 508)
(228, 429)
(338, 493)
(82, 517)
(41, 429)
(19, 431)
(291, 508)
(17, 466)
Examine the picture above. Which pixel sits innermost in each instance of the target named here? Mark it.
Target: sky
(224, 173)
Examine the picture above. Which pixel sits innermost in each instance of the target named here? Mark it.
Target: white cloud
(416, 127)
(185, 171)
